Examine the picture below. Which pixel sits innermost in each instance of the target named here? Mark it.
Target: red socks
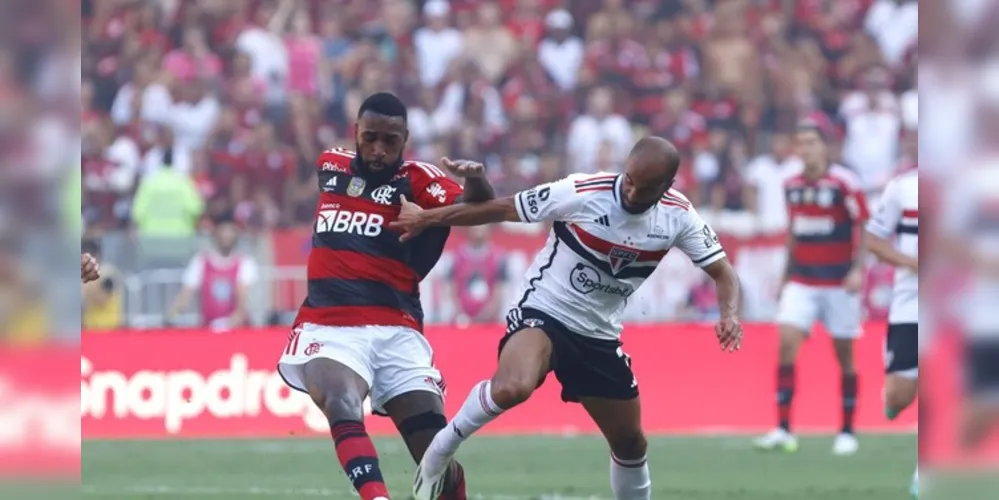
(359, 459)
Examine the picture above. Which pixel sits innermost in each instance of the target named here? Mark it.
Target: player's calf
(339, 392)
(900, 392)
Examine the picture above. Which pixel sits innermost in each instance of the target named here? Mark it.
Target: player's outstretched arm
(728, 330)
(413, 219)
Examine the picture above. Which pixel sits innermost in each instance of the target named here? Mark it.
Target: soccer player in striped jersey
(359, 332)
(609, 232)
(893, 237)
(826, 212)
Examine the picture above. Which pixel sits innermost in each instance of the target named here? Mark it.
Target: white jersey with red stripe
(897, 217)
(598, 253)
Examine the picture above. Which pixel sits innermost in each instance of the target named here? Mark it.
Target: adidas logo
(603, 220)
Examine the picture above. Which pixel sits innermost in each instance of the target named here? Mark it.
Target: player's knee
(340, 405)
(629, 445)
(508, 392)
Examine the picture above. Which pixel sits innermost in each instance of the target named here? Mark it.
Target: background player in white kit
(609, 233)
(897, 218)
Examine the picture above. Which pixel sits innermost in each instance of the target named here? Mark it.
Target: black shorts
(586, 367)
(981, 359)
(902, 348)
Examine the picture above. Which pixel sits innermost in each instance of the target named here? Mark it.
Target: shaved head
(651, 169)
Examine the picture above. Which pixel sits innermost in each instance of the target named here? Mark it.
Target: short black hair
(385, 104)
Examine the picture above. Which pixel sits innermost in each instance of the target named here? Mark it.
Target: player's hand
(464, 168)
(854, 281)
(410, 221)
(89, 269)
(913, 264)
(729, 333)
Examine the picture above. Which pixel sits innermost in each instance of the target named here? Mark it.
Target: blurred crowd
(194, 109)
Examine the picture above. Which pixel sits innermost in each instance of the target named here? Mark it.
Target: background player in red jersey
(827, 212)
(358, 333)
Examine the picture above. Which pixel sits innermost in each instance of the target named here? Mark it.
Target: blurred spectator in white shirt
(873, 124)
(764, 176)
(261, 40)
(895, 25)
(437, 43)
(192, 119)
(560, 52)
(144, 98)
(590, 130)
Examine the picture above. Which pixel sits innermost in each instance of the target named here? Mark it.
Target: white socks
(630, 479)
(478, 410)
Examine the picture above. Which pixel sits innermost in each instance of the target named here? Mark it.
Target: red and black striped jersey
(824, 215)
(359, 273)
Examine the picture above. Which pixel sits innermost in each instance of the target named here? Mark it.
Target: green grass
(502, 468)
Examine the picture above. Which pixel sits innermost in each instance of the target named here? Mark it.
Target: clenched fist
(89, 269)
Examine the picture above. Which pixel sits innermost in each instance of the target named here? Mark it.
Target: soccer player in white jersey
(897, 218)
(609, 233)
(969, 237)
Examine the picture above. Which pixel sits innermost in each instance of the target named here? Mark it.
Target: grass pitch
(502, 468)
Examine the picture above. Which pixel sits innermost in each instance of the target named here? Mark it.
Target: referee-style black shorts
(586, 367)
(902, 349)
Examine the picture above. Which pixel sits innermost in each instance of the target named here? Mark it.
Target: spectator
(109, 166)
(144, 98)
(224, 279)
(304, 51)
(489, 43)
(895, 25)
(873, 124)
(193, 59)
(437, 43)
(471, 104)
(560, 52)
(477, 277)
(261, 41)
(167, 203)
(590, 130)
(192, 118)
(271, 171)
(102, 300)
(763, 192)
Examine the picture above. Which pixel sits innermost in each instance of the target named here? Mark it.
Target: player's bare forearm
(886, 252)
(727, 286)
(473, 214)
(788, 262)
(478, 190)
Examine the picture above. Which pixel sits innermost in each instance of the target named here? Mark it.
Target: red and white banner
(186, 383)
(39, 412)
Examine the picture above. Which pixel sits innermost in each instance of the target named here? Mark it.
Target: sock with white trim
(630, 479)
(479, 409)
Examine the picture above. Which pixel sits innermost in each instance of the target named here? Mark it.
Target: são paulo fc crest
(355, 187)
(621, 258)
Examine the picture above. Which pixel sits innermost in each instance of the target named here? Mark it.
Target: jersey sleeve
(548, 202)
(432, 188)
(854, 198)
(699, 241)
(888, 214)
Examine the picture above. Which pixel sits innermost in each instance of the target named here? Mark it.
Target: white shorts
(838, 310)
(393, 360)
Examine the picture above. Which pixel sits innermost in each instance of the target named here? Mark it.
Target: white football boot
(777, 439)
(845, 445)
